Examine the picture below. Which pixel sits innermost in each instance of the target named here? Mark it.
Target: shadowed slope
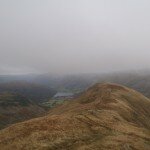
(106, 116)
(35, 92)
(16, 108)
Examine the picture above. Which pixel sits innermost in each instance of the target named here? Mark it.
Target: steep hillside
(15, 108)
(35, 92)
(105, 117)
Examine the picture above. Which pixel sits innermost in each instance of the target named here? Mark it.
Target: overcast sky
(74, 36)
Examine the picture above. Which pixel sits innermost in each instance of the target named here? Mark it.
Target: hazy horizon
(67, 37)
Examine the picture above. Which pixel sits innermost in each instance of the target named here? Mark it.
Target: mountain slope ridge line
(105, 117)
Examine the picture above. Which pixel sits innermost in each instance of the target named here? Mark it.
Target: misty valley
(82, 111)
(74, 74)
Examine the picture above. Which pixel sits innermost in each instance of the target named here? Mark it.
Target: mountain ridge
(104, 117)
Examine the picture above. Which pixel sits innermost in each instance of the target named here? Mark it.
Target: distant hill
(139, 81)
(15, 108)
(66, 83)
(34, 92)
(106, 117)
(77, 83)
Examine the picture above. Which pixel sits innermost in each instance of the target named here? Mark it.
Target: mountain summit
(105, 117)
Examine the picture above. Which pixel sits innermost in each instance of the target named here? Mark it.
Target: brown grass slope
(105, 117)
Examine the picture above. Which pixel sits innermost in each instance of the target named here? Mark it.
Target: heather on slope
(105, 117)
